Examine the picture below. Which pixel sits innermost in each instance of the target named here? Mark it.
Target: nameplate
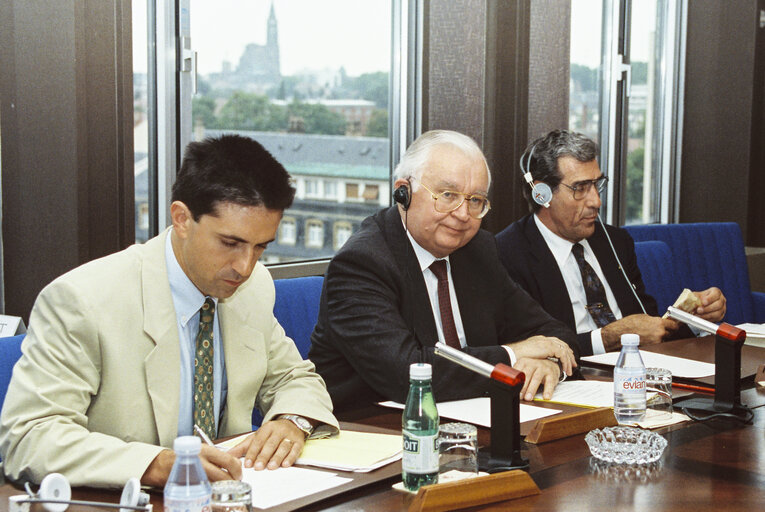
(11, 326)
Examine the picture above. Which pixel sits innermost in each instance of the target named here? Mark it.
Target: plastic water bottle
(629, 382)
(419, 423)
(187, 488)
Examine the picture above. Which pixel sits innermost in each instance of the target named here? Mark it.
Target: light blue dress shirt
(188, 300)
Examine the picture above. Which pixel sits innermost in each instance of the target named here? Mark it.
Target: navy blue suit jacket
(375, 318)
(529, 261)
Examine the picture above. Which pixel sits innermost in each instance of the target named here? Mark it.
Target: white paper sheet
(478, 411)
(755, 334)
(679, 366)
(585, 393)
(274, 487)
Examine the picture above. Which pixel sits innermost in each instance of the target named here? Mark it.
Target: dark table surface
(716, 465)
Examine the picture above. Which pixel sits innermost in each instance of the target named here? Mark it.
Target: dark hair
(231, 169)
(545, 152)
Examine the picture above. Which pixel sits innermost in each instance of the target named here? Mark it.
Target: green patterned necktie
(204, 403)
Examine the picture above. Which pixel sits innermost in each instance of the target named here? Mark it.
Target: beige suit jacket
(95, 394)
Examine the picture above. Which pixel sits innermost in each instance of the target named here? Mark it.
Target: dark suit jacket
(529, 261)
(375, 317)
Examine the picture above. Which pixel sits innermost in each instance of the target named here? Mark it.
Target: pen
(691, 387)
(203, 435)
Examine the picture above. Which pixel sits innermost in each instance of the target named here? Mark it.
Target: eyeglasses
(580, 189)
(449, 200)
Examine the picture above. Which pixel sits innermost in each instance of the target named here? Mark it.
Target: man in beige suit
(108, 379)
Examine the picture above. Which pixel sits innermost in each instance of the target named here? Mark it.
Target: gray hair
(415, 159)
(541, 158)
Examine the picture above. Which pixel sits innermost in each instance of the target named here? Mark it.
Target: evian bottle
(629, 382)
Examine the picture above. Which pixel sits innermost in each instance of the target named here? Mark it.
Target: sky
(312, 34)
(355, 34)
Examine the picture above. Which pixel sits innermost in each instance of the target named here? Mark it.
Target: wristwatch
(300, 422)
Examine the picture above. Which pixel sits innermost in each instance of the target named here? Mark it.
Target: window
(351, 190)
(312, 188)
(288, 231)
(330, 189)
(314, 233)
(371, 192)
(625, 94)
(343, 231)
(298, 76)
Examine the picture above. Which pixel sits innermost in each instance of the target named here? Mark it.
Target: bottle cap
(630, 340)
(420, 371)
(187, 444)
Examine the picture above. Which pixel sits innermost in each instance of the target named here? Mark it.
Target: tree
(317, 118)
(635, 185)
(378, 123)
(247, 111)
(203, 111)
(372, 87)
(586, 78)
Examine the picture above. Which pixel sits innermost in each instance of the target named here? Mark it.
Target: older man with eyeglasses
(423, 271)
(565, 259)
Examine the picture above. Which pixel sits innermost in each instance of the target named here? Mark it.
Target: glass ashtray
(625, 445)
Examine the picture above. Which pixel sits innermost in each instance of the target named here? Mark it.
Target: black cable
(747, 419)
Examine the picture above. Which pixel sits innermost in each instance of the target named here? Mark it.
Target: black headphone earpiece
(402, 195)
(541, 192)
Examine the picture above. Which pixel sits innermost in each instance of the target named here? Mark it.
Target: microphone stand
(504, 394)
(728, 342)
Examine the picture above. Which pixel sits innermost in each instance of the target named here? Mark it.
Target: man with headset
(422, 271)
(570, 262)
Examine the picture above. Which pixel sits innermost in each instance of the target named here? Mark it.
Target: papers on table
(274, 487)
(582, 393)
(352, 451)
(651, 420)
(755, 334)
(348, 451)
(478, 411)
(679, 366)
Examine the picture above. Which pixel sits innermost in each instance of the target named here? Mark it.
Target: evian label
(629, 381)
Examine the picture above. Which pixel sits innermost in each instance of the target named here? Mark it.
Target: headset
(402, 195)
(541, 192)
(55, 495)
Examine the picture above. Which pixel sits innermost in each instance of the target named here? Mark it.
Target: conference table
(714, 465)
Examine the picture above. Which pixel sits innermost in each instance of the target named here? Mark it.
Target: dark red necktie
(445, 304)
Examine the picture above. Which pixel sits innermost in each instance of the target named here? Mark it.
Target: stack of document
(348, 451)
(352, 451)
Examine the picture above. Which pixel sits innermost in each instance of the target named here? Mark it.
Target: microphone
(725, 330)
(499, 372)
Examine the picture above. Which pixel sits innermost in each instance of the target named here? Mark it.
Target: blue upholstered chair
(10, 352)
(297, 309)
(709, 254)
(658, 270)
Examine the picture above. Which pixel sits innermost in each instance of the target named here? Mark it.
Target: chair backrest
(10, 352)
(297, 308)
(658, 270)
(707, 254)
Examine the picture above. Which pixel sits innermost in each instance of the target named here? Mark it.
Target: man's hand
(538, 371)
(218, 465)
(542, 347)
(276, 443)
(713, 305)
(651, 329)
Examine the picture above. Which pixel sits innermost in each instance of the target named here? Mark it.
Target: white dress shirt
(572, 277)
(426, 259)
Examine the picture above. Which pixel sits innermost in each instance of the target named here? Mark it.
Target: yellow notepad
(352, 451)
